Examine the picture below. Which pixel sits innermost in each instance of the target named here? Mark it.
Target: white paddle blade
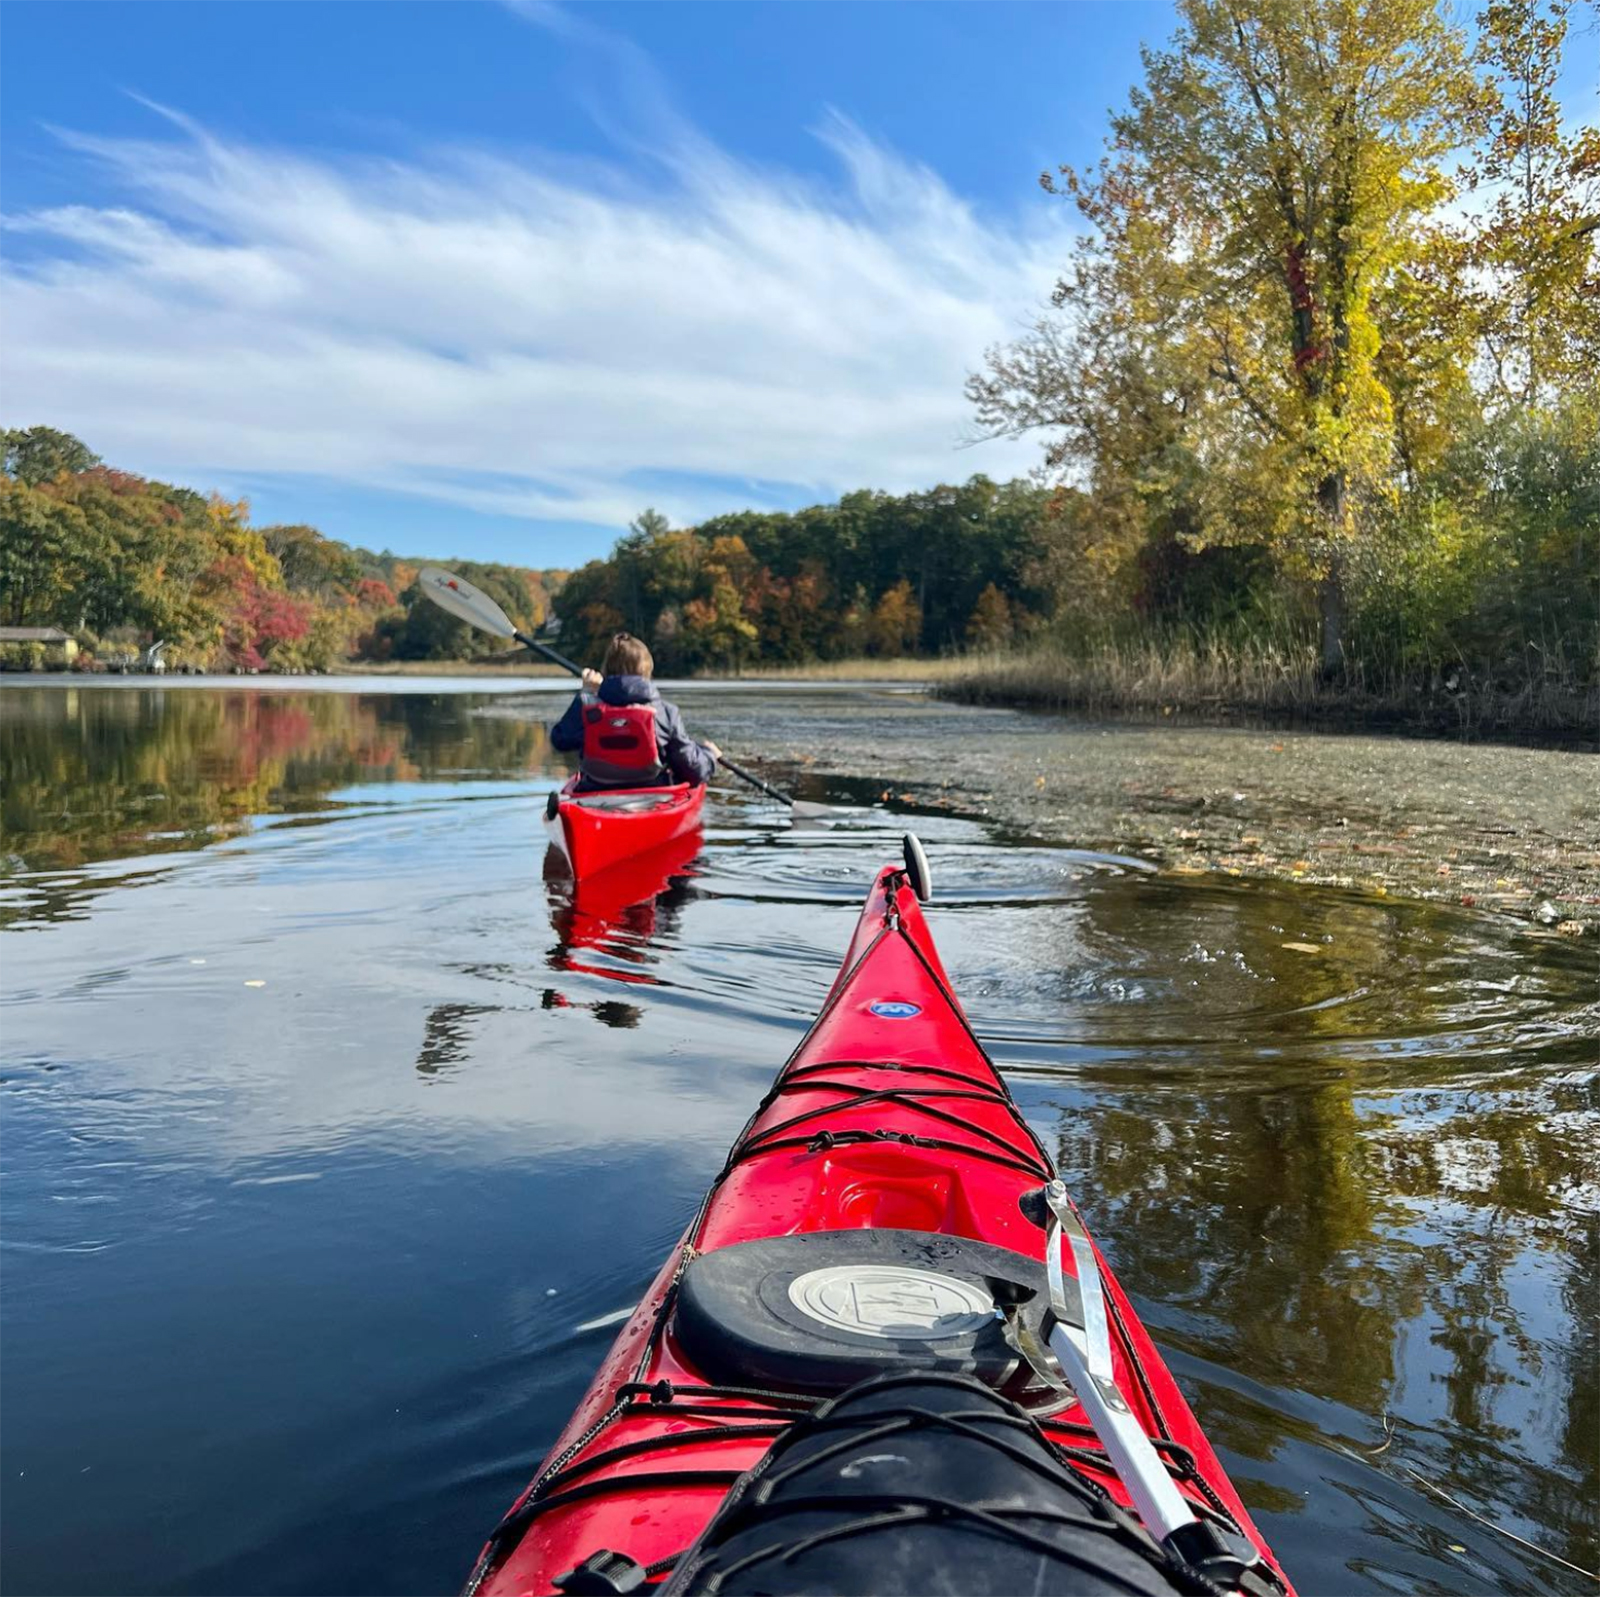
(461, 599)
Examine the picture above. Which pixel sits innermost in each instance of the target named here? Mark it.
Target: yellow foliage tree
(716, 629)
(991, 626)
(896, 623)
(1535, 241)
(1220, 348)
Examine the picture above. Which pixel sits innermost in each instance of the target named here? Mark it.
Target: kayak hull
(597, 831)
(889, 1118)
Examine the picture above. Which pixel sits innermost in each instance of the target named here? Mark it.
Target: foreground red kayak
(598, 830)
(885, 1357)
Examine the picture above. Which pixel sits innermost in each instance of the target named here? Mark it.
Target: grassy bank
(1223, 681)
(943, 669)
(521, 666)
(858, 670)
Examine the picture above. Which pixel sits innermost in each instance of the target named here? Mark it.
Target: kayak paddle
(475, 607)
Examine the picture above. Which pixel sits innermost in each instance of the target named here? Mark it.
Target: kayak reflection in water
(619, 912)
(624, 733)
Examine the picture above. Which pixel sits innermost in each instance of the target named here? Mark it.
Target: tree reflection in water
(99, 774)
(1369, 1173)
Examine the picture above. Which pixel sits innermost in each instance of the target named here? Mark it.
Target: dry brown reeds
(1224, 679)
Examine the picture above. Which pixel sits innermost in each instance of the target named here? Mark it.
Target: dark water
(335, 1138)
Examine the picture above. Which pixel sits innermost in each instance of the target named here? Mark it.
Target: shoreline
(903, 672)
(1495, 827)
(449, 668)
(906, 672)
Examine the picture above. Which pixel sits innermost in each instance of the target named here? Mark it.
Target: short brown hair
(627, 656)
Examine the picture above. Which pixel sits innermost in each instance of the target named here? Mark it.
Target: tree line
(1327, 357)
(873, 574)
(120, 561)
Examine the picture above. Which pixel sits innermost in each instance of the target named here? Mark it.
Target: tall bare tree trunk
(1330, 598)
(1330, 590)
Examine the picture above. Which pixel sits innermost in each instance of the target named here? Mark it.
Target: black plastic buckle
(601, 1574)
(1212, 1551)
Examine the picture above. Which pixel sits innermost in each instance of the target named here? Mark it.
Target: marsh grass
(1553, 692)
(857, 670)
(940, 669)
(518, 665)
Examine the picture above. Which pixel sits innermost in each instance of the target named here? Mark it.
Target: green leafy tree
(37, 454)
(649, 525)
(1535, 240)
(1265, 180)
(311, 563)
(50, 556)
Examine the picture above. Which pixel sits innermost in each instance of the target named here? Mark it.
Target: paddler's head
(627, 656)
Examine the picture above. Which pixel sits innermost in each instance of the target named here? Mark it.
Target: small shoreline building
(36, 648)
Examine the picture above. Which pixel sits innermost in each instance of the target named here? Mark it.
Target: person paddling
(624, 733)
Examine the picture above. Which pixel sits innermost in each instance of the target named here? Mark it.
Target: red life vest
(619, 745)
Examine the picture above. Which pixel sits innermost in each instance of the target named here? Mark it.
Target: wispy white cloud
(519, 335)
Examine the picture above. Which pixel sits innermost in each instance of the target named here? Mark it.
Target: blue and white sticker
(895, 1009)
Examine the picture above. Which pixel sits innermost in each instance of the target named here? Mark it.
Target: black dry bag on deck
(920, 1483)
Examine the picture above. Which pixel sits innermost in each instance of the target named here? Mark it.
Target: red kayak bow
(598, 830)
(885, 1357)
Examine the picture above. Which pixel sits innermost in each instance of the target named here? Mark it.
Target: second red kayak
(886, 1356)
(600, 829)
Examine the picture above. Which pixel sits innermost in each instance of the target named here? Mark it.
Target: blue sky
(486, 280)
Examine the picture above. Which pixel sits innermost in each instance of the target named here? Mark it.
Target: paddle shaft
(550, 654)
(755, 781)
(556, 658)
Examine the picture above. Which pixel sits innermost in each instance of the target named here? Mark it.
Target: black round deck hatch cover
(821, 1310)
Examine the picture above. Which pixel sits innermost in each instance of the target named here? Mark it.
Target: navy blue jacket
(678, 752)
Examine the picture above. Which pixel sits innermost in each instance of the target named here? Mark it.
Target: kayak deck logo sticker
(894, 1009)
(892, 1301)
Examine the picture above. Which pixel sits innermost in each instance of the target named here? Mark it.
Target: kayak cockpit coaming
(599, 830)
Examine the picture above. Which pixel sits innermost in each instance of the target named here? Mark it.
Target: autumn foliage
(1325, 358)
(873, 574)
(123, 562)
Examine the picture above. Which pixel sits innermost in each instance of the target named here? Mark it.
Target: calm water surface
(337, 1136)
